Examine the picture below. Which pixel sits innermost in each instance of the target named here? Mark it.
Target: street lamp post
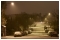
(4, 30)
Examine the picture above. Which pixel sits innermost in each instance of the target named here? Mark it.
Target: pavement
(29, 37)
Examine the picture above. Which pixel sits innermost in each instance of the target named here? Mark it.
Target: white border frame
(29, 0)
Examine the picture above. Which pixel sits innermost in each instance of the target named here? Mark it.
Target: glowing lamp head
(12, 4)
(49, 14)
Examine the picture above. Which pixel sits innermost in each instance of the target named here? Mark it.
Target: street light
(4, 26)
(30, 18)
(4, 30)
(49, 14)
(12, 3)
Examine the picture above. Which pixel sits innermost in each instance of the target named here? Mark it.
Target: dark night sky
(32, 7)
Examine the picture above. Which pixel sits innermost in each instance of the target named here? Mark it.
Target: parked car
(24, 33)
(52, 34)
(46, 30)
(45, 27)
(17, 34)
(29, 31)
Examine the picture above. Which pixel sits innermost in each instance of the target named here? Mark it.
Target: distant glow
(12, 4)
(30, 18)
(49, 14)
(4, 26)
(45, 18)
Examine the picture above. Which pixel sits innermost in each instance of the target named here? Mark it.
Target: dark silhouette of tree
(3, 16)
(54, 20)
(3, 8)
(16, 22)
(24, 20)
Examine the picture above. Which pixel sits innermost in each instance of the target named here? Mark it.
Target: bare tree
(54, 20)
